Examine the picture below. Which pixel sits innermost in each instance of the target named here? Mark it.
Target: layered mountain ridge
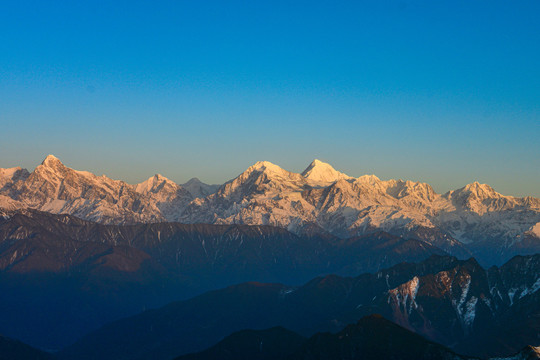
(319, 200)
(88, 273)
(457, 303)
(372, 337)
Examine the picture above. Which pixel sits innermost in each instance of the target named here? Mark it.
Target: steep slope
(322, 173)
(445, 299)
(55, 188)
(168, 197)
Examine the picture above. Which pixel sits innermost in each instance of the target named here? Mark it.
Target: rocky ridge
(319, 200)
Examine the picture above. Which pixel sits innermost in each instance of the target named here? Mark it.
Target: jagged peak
(481, 190)
(11, 171)
(51, 161)
(320, 171)
(159, 177)
(152, 182)
(268, 168)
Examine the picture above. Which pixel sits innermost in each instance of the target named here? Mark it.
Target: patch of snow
(469, 312)
(535, 230)
(405, 295)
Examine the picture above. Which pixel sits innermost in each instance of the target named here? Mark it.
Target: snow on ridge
(466, 309)
(523, 291)
(267, 194)
(323, 173)
(405, 295)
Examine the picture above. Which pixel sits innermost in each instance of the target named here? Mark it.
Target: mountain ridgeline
(83, 258)
(456, 303)
(371, 338)
(88, 273)
(321, 200)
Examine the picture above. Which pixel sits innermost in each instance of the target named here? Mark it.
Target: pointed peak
(477, 188)
(152, 183)
(193, 180)
(319, 171)
(51, 160)
(317, 163)
(157, 178)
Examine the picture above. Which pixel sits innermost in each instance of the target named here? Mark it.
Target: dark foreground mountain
(276, 343)
(15, 350)
(371, 338)
(67, 276)
(476, 312)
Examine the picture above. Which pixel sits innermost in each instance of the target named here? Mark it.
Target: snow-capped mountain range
(320, 199)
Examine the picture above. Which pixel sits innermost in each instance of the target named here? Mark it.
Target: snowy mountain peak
(265, 166)
(51, 161)
(153, 183)
(8, 177)
(269, 170)
(321, 172)
(481, 190)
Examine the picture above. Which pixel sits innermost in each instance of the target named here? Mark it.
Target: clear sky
(445, 92)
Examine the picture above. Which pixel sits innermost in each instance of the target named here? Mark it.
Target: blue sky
(446, 92)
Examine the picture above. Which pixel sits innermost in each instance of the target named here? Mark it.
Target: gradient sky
(446, 92)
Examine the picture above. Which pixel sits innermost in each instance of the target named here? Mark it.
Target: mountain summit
(323, 173)
(319, 200)
(51, 160)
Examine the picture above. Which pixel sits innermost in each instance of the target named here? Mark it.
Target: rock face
(474, 219)
(456, 303)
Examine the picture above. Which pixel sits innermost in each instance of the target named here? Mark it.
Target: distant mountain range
(474, 219)
(458, 304)
(78, 251)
